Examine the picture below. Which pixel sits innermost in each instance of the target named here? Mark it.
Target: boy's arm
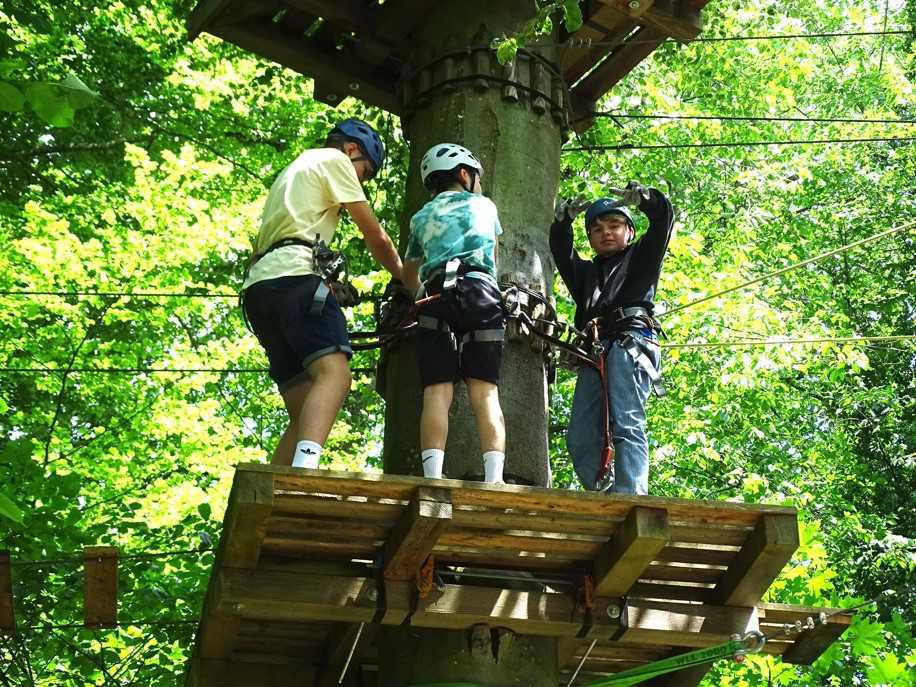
(377, 241)
(410, 275)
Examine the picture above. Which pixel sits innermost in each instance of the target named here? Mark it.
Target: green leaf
(9, 509)
(50, 104)
(884, 671)
(572, 15)
(868, 637)
(78, 94)
(11, 98)
(8, 67)
(204, 510)
(506, 50)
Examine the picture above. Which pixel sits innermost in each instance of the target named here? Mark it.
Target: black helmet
(607, 206)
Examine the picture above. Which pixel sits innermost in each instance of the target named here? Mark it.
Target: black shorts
(473, 305)
(293, 338)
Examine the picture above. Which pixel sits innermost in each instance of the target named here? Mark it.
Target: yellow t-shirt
(304, 202)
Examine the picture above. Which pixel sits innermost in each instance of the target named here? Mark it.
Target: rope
(744, 118)
(119, 294)
(735, 144)
(788, 342)
(586, 43)
(124, 557)
(770, 275)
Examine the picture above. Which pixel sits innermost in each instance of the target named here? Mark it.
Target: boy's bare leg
(437, 399)
(484, 398)
(314, 404)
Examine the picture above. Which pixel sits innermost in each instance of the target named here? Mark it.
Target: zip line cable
(744, 118)
(371, 371)
(736, 144)
(119, 294)
(121, 557)
(587, 43)
(809, 261)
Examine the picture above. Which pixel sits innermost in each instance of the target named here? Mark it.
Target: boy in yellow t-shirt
(297, 321)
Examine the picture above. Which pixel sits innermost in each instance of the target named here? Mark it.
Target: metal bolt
(238, 608)
(331, 97)
(633, 4)
(372, 594)
(354, 86)
(613, 611)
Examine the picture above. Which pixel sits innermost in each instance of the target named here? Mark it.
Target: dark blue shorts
(473, 305)
(280, 314)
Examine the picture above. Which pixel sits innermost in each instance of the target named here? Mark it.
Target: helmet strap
(470, 187)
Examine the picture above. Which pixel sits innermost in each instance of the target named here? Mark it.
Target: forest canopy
(133, 164)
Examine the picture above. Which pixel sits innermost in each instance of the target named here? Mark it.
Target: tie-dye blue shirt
(454, 224)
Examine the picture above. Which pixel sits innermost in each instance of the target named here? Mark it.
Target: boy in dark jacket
(616, 291)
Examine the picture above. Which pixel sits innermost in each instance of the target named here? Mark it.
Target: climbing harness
(327, 263)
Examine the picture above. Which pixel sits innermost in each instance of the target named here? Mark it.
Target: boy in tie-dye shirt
(460, 332)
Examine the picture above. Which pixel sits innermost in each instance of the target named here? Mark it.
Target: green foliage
(157, 183)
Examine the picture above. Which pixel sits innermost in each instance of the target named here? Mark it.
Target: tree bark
(511, 117)
(518, 141)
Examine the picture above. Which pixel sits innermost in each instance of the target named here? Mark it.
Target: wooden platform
(307, 556)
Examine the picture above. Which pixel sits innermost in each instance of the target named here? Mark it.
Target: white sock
(432, 462)
(493, 462)
(307, 454)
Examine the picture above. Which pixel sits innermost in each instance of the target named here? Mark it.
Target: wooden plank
(683, 573)
(676, 18)
(384, 512)
(760, 560)
(671, 592)
(204, 15)
(414, 537)
(685, 624)
(330, 549)
(693, 534)
(696, 554)
(245, 523)
(578, 546)
(551, 523)
(7, 612)
(349, 15)
(100, 586)
(628, 553)
(512, 496)
(325, 528)
(397, 18)
(812, 643)
(607, 27)
(619, 63)
(343, 77)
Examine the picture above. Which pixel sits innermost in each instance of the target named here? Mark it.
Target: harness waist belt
(282, 243)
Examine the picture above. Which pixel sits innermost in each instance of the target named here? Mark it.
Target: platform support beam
(629, 552)
(763, 556)
(417, 532)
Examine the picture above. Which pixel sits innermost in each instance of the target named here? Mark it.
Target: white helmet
(444, 157)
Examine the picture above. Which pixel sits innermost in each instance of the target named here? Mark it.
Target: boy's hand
(634, 194)
(569, 208)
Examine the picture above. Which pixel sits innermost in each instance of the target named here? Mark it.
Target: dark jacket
(625, 279)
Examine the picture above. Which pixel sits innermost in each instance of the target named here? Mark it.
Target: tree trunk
(516, 133)
(511, 117)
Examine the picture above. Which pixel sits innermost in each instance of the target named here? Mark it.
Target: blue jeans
(628, 387)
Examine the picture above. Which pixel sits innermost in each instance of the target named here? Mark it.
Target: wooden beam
(810, 644)
(7, 614)
(349, 15)
(619, 63)
(245, 523)
(340, 78)
(676, 18)
(100, 586)
(760, 560)
(397, 18)
(627, 555)
(684, 624)
(205, 14)
(374, 488)
(417, 532)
